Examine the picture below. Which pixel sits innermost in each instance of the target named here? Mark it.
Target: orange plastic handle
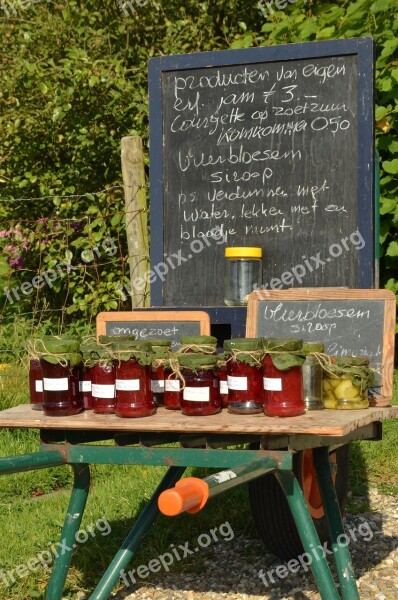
(189, 495)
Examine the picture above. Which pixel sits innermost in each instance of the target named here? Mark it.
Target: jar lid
(195, 361)
(351, 361)
(243, 344)
(313, 347)
(240, 252)
(198, 339)
(72, 358)
(283, 344)
(110, 339)
(155, 342)
(58, 344)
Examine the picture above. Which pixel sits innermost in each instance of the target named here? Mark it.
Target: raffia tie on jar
(198, 344)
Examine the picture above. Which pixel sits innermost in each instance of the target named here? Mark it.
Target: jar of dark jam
(160, 351)
(203, 344)
(200, 395)
(313, 376)
(222, 379)
(283, 379)
(244, 375)
(91, 353)
(103, 384)
(172, 386)
(134, 397)
(35, 384)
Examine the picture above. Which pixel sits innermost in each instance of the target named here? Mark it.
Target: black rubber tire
(271, 513)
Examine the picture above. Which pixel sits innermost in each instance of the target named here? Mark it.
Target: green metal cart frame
(274, 453)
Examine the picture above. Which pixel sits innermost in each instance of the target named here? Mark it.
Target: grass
(34, 504)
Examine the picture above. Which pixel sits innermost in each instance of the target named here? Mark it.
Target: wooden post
(135, 194)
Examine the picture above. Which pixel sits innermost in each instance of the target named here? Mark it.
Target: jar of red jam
(134, 397)
(35, 384)
(200, 395)
(172, 385)
(160, 351)
(203, 344)
(103, 383)
(283, 379)
(244, 375)
(222, 379)
(59, 361)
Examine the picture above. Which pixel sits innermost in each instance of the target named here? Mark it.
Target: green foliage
(74, 82)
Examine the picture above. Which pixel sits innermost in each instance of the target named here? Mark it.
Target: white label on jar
(157, 386)
(61, 384)
(237, 383)
(172, 385)
(273, 384)
(197, 394)
(128, 385)
(39, 385)
(103, 391)
(85, 386)
(223, 387)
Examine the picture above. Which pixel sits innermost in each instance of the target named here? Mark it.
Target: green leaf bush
(74, 82)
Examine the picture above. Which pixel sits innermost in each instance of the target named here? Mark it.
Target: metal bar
(31, 462)
(71, 526)
(308, 534)
(225, 480)
(134, 538)
(341, 553)
(165, 456)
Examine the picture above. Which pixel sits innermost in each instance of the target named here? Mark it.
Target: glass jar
(200, 396)
(200, 344)
(134, 397)
(283, 379)
(172, 387)
(346, 382)
(103, 385)
(60, 384)
(243, 274)
(222, 379)
(160, 350)
(35, 384)
(313, 377)
(244, 376)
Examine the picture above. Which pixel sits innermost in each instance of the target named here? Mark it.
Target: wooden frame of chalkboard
(186, 276)
(349, 322)
(151, 324)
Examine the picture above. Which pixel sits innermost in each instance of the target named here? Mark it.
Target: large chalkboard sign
(169, 325)
(348, 322)
(269, 147)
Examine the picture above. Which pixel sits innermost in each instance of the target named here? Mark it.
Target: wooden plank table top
(323, 422)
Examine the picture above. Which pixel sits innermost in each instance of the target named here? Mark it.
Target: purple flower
(77, 225)
(17, 263)
(3, 233)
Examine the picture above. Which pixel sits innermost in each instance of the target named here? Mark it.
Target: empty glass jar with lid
(243, 274)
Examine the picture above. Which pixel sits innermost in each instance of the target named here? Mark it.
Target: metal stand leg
(341, 553)
(71, 526)
(134, 538)
(308, 535)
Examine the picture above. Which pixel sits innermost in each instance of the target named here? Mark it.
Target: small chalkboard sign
(269, 147)
(348, 322)
(143, 324)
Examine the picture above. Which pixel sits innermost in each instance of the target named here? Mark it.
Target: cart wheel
(271, 512)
